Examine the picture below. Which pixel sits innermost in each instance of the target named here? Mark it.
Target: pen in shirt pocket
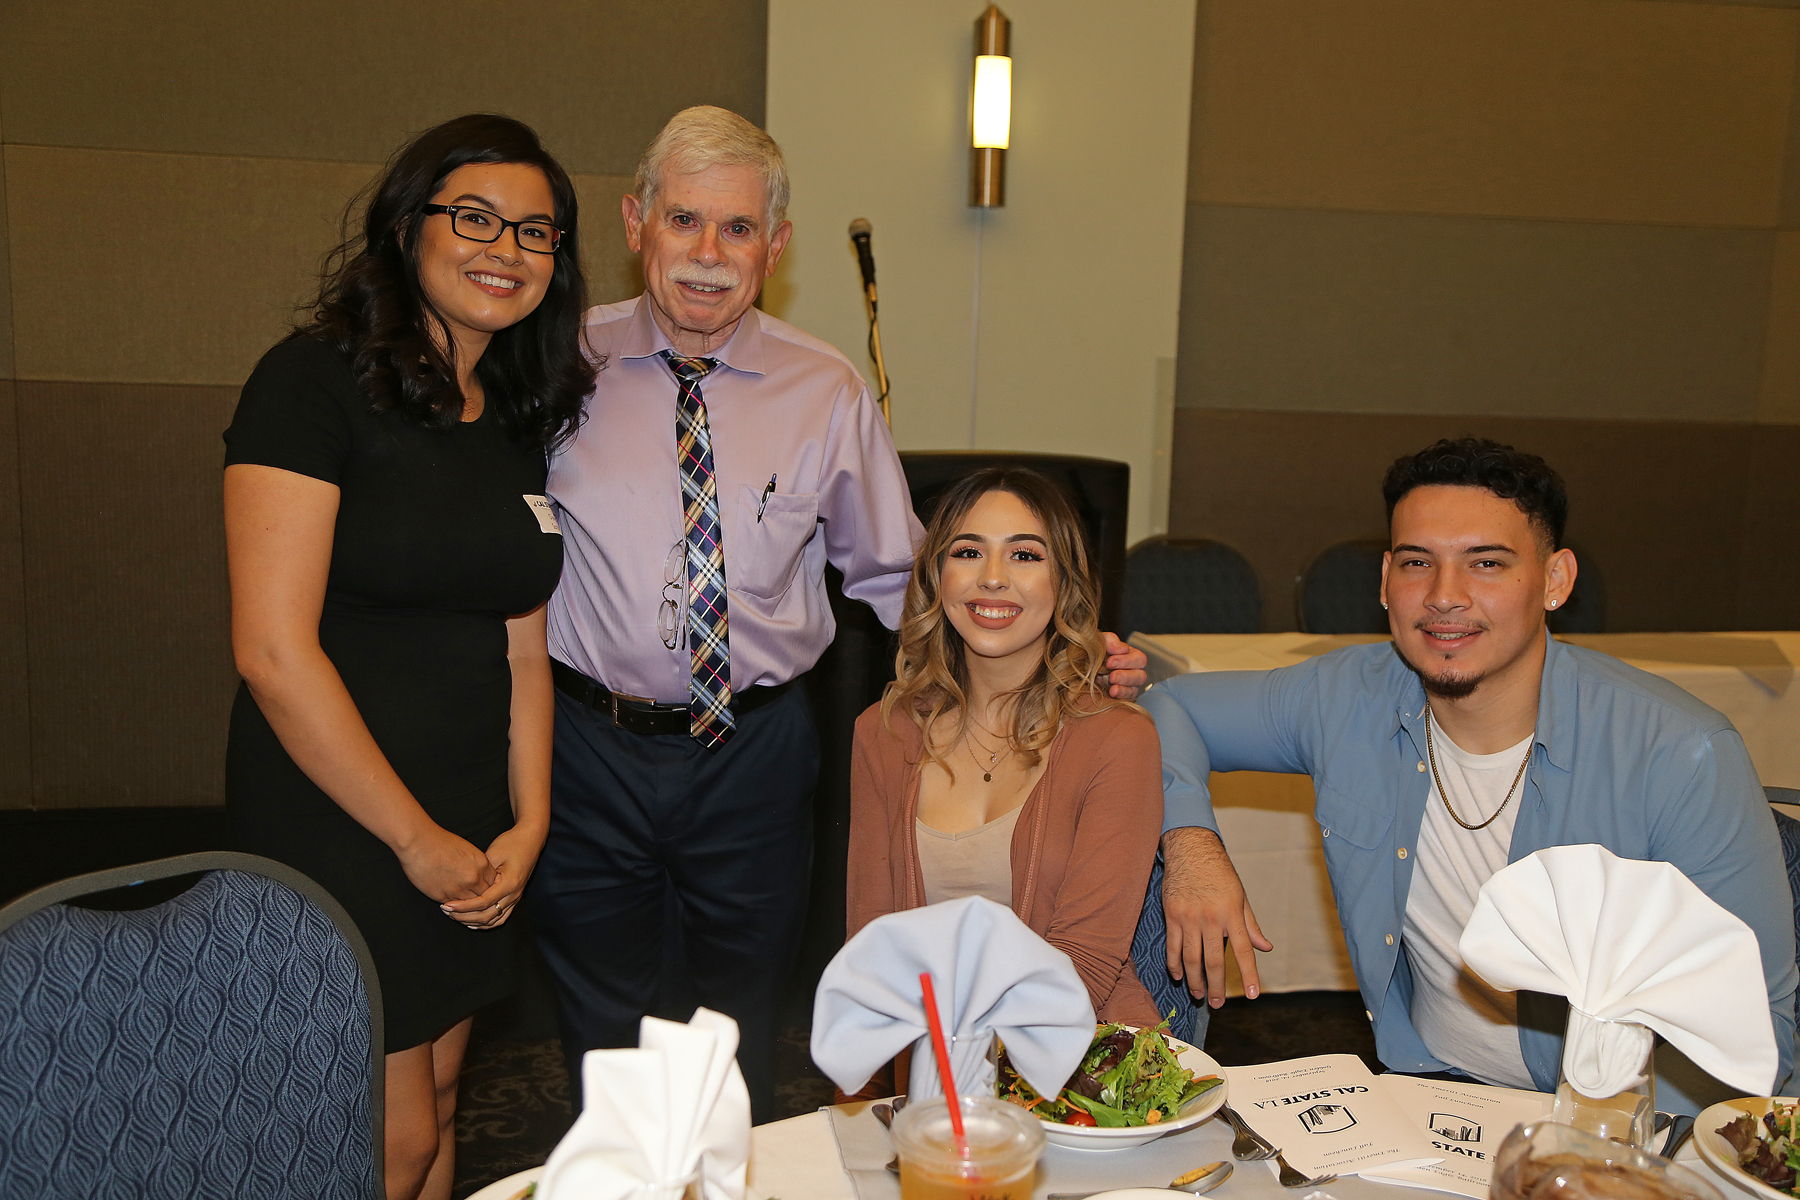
(767, 491)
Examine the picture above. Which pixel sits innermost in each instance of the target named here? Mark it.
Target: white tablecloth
(1267, 824)
(797, 1159)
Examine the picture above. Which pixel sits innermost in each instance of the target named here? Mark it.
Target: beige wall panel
(15, 698)
(127, 598)
(348, 80)
(1647, 502)
(1790, 180)
(1364, 312)
(1586, 109)
(186, 269)
(612, 269)
(6, 321)
(1780, 400)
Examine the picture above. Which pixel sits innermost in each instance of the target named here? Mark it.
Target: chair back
(226, 1041)
(1340, 590)
(1188, 1018)
(1189, 585)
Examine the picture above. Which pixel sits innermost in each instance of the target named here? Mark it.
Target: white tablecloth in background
(1267, 824)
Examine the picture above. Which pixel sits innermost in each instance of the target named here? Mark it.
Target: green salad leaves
(1126, 1079)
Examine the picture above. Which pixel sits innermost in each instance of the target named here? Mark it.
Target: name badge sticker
(545, 512)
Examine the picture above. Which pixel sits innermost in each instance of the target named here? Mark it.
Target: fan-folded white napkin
(656, 1118)
(1626, 940)
(992, 976)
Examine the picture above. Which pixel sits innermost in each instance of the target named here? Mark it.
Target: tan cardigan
(1081, 851)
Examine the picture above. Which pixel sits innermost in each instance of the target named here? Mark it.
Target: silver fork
(1248, 1145)
(1291, 1178)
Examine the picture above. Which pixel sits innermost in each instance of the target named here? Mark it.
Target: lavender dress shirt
(780, 403)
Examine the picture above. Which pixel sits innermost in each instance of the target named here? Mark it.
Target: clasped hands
(476, 890)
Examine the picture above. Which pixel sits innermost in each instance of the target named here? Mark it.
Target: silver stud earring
(1384, 606)
(1553, 603)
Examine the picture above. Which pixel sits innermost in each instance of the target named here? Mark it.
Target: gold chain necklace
(1431, 753)
(987, 774)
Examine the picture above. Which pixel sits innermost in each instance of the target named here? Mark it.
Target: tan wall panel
(127, 597)
(612, 269)
(1780, 393)
(1790, 182)
(1365, 312)
(6, 321)
(1589, 109)
(186, 267)
(347, 80)
(1647, 503)
(247, 257)
(15, 703)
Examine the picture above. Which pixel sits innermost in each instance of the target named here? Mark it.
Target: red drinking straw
(942, 1050)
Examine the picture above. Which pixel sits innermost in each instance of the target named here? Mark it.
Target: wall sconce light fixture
(990, 109)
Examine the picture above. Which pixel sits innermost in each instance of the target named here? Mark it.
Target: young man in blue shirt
(1472, 740)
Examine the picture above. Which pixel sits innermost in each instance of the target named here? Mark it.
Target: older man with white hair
(726, 458)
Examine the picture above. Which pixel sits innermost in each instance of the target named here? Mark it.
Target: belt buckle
(615, 697)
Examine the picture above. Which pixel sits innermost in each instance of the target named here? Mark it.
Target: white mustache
(719, 277)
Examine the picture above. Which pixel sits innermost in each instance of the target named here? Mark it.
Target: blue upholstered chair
(1182, 585)
(223, 1042)
(1149, 954)
(1340, 590)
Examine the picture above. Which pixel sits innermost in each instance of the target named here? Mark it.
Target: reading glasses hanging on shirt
(480, 225)
(670, 612)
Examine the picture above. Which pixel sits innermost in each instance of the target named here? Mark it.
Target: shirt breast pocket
(1343, 818)
(763, 556)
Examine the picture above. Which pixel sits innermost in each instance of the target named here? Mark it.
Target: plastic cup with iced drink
(1003, 1143)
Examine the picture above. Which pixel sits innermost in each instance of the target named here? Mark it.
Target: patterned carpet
(514, 1103)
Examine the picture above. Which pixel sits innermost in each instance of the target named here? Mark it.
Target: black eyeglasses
(480, 225)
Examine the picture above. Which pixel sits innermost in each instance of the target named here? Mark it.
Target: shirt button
(1368, 1014)
(1401, 852)
(1390, 938)
(1421, 768)
(1325, 833)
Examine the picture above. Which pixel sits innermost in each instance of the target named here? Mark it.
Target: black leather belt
(637, 715)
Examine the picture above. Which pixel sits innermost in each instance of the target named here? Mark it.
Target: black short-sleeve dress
(437, 544)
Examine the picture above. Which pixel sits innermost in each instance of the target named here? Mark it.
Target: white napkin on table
(655, 1117)
(1626, 940)
(991, 973)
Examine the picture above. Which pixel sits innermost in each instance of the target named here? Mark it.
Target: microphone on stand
(860, 232)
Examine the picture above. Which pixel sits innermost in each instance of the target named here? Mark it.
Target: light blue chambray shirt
(1623, 759)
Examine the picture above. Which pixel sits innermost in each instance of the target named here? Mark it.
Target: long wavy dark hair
(371, 306)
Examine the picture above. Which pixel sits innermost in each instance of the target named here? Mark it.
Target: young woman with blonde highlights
(995, 764)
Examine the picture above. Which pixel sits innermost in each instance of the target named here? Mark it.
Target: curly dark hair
(371, 306)
(1525, 479)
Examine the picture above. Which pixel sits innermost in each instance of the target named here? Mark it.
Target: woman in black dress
(390, 553)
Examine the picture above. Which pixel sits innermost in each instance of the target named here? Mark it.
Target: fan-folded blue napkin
(993, 976)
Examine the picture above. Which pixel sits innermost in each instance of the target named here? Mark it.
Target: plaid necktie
(710, 720)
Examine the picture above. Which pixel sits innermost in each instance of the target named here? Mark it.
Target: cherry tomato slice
(1077, 1117)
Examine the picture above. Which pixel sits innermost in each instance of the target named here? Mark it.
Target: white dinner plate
(1718, 1152)
(1082, 1137)
(511, 1186)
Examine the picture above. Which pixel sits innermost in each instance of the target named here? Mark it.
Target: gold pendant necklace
(987, 775)
(1431, 753)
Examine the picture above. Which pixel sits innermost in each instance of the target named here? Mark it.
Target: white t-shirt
(1462, 1020)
